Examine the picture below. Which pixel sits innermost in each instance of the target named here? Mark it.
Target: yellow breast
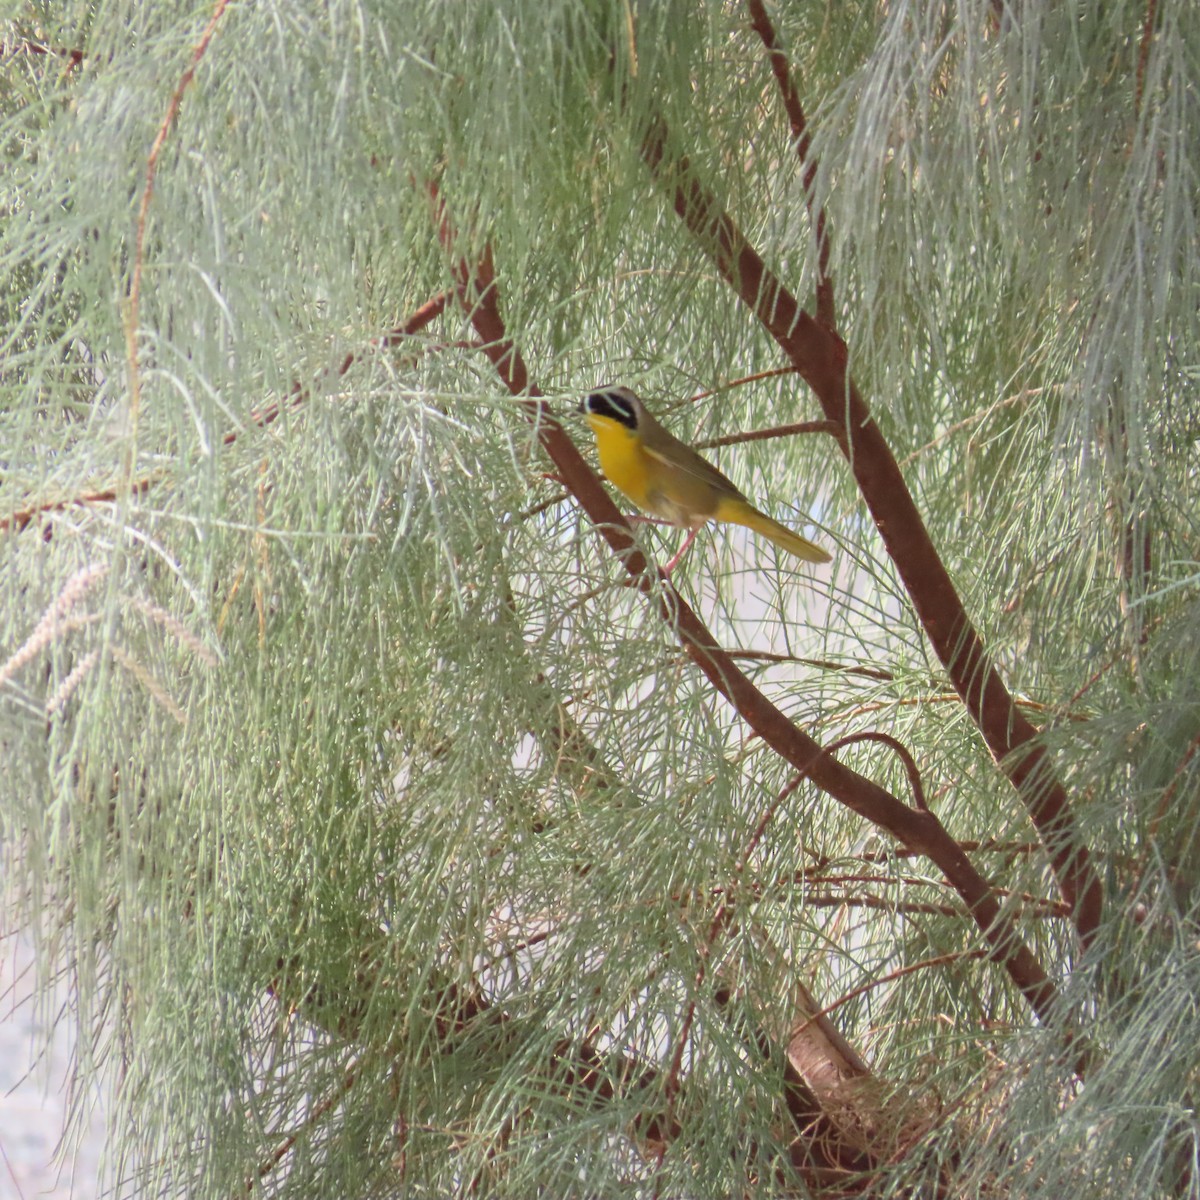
(623, 460)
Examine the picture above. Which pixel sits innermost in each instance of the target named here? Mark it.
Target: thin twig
(812, 875)
(1144, 55)
(718, 921)
(318, 1111)
(298, 394)
(986, 846)
(19, 520)
(862, 710)
(74, 57)
(742, 381)
(903, 752)
(974, 418)
(821, 664)
(940, 961)
(777, 431)
(1168, 794)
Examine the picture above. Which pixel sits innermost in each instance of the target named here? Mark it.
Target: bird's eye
(614, 406)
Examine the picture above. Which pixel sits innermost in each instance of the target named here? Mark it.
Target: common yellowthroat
(668, 479)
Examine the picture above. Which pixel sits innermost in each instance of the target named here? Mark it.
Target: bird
(669, 480)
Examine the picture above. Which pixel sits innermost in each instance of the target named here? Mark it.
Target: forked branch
(920, 831)
(820, 357)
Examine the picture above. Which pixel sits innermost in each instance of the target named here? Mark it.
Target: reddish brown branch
(742, 381)
(822, 664)
(821, 358)
(419, 319)
(299, 393)
(1039, 910)
(802, 140)
(23, 517)
(812, 876)
(902, 752)
(74, 57)
(988, 846)
(920, 831)
(1008, 734)
(477, 294)
(776, 431)
(314, 1117)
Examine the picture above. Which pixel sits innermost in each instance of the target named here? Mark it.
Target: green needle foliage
(388, 841)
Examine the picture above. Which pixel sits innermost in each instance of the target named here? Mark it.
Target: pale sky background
(34, 1103)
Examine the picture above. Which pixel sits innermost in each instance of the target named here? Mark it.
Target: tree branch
(802, 140)
(902, 752)
(820, 356)
(920, 831)
(776, 431)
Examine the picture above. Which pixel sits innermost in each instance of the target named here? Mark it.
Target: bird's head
(613, 406)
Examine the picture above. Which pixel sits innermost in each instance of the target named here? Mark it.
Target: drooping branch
(820, 357)
(134, 296)
(297, 395)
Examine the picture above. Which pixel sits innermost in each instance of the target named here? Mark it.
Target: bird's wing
(687, 465)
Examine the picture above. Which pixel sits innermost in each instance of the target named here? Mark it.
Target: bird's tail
(784, 538)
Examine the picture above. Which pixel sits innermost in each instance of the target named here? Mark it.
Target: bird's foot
(687, 541)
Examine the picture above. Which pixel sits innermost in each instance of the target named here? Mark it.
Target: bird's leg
(687, 541)
(641, 519)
